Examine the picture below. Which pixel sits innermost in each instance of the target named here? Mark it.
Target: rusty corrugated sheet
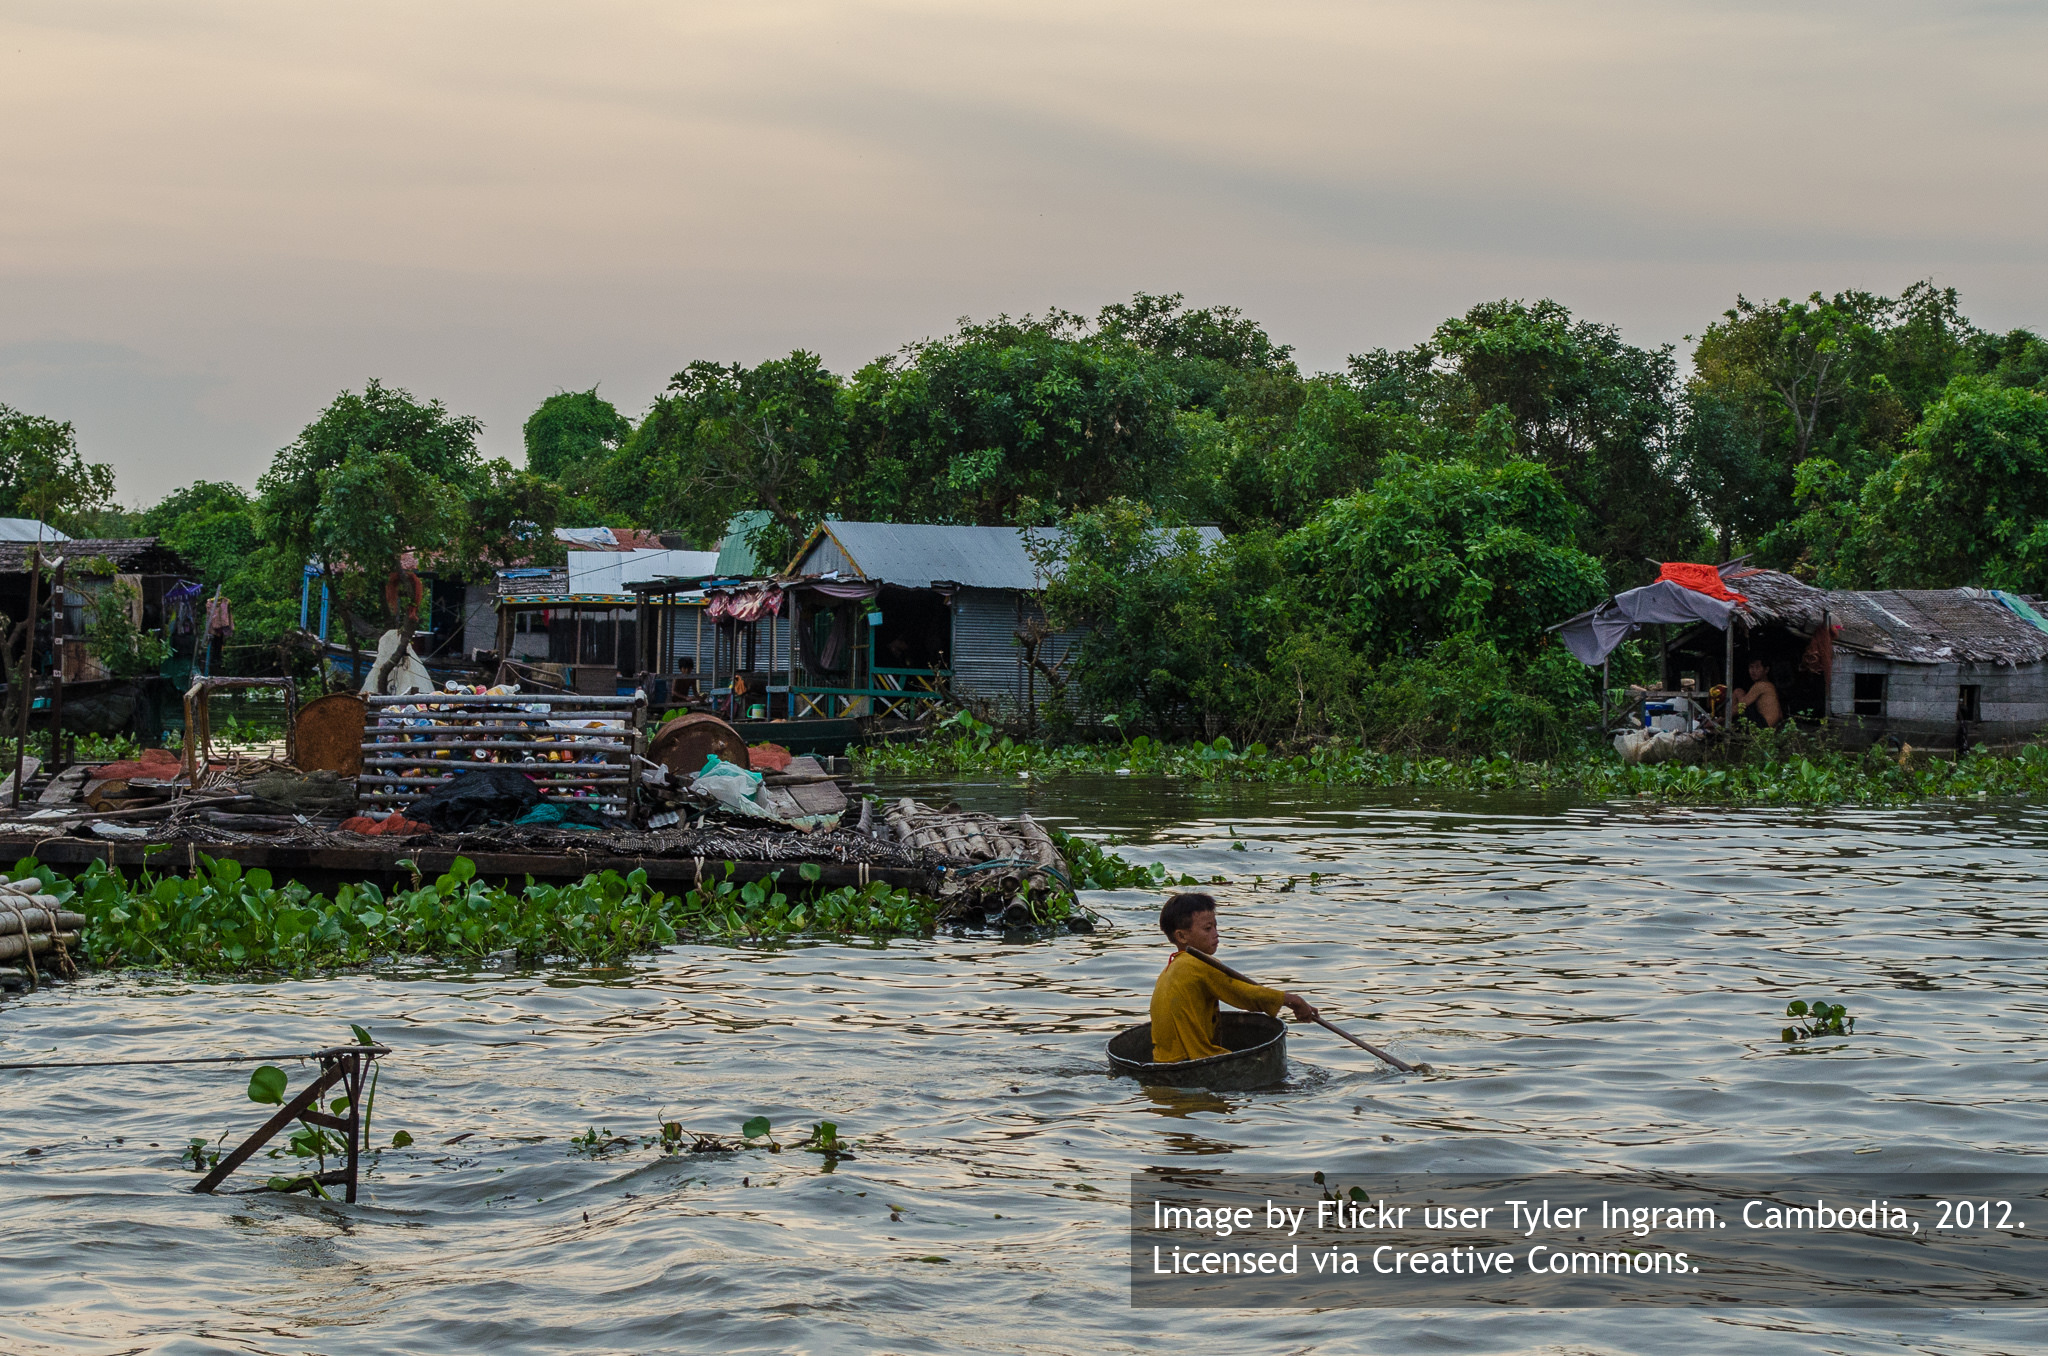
(1916, 626)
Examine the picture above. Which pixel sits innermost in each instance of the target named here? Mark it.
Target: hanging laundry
(218, 621)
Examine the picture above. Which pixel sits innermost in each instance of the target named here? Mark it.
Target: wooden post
(57, 668)
(1827, 667)
(1728, 670)
(25, 676)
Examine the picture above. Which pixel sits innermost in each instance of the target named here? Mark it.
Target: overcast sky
(219, 215)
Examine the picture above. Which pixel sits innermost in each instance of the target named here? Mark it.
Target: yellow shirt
(1184, 1008)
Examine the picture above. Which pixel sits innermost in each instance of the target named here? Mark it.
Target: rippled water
(1600, 984)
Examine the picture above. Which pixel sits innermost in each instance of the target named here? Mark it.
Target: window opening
(1868, 695)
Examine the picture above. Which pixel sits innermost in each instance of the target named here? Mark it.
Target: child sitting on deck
(1184, 997)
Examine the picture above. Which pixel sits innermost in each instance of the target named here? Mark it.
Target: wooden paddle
(1366, 1046)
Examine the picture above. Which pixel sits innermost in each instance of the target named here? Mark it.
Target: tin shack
(1934, 668)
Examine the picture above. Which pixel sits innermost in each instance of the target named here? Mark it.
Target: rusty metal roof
(130, 555)
(1915, 626)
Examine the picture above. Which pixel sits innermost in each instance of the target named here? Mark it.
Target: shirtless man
(1761, 700)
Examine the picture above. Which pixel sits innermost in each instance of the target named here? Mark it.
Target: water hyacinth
(1767, 774)
(227, 920)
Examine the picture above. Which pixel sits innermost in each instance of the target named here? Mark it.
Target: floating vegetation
(227, 920)
(1818, 1018)
(1770, 771)
(1095, 867)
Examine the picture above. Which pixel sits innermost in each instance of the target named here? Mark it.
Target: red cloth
(1700, 579)
(768, 757)
(392, 826)
(161, 764)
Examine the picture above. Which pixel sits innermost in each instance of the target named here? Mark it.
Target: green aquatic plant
(1767, 771)
(1818, 1018)
(1094, 867)
(595, 1143)
(223, 919)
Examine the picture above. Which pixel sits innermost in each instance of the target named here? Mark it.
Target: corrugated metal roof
(28, 529)
(918, 555)
(1919, 626)
(130, 555)
(612, 571)
(736, 560)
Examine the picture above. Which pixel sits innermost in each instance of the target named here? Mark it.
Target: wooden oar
(1366, 1046)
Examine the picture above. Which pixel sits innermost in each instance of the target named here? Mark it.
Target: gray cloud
(224, 214)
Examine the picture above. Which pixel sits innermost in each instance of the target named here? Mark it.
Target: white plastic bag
(731, 786)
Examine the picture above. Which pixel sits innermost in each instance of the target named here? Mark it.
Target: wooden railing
(892, 694)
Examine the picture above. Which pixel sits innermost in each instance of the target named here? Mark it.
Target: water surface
(1601, 983)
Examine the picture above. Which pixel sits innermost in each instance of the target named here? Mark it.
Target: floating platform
(322, 867)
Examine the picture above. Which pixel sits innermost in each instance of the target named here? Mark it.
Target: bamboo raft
(35, 935)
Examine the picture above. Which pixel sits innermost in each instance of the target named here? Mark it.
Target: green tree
(1443, 548)
(1967, 502)
(571, 435)
(1410, 614)
(1797, 403)
(1599, 413)
(1793, 363)
(210, 523)
(42, 475)
(1013, 421)
(723, 439)
(376, 475)
(1742, 490)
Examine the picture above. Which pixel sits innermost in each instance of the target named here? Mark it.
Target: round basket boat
(1257, 1058)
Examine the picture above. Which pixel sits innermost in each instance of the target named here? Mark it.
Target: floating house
(164, 601)
(581, 619)
(1934, 668)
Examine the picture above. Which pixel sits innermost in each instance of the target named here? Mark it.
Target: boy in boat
(1185, 996)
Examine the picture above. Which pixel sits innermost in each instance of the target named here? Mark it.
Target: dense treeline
(1399, 532)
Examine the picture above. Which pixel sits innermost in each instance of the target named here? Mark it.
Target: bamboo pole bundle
(17, 946)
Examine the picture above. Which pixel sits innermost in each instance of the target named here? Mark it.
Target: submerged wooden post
(343, 1066)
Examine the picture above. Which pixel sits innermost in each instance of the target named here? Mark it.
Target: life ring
(392, 585)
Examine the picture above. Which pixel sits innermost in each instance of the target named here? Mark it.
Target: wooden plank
(30, 766)
(819, 798)
(65, 786)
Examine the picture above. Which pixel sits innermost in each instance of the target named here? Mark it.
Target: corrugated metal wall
(989, 668)
(685, 643)
(988, 664)
(479, 616)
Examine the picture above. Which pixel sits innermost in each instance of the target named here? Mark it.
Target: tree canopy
(43, 476)
(1400, 532)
